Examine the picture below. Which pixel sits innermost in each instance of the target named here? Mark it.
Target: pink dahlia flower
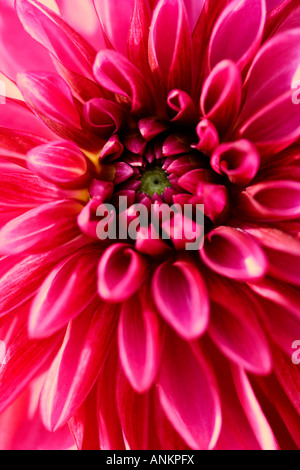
(139, 343)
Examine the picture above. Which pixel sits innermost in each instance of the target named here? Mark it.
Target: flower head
(113, 325)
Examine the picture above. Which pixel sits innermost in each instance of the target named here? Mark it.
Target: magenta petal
(59, 38)
(24, 358)
(234, 254)
(170, 54)
(112, 150)
(181, 297)
(63, 295)
(77, 365)
(104, 116)
(121, 272)
(272, 200)
(235, 327)
(139, 337)
(138, 35)
(19, 117)
(264, 87)
(60, 162)
(118, 75)
(41, 228)
(115, 20)
(261, 428)
(247, 19)
(183, 107)
(221, 95)
(188, 395)
(208, 137)
(13, 40)
(239, 161)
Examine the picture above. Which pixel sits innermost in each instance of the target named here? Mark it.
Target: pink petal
(139, 337)
(183, 107)
(253, 411)
(111, 434)
(19, 117)
(138, 35)
(272, 200)
(112, 150)
(282, 250)
(121, 272)
(84, 424)
(41, 228)
(77, 365)
(235, 327)
(221, 95)
(63, 295)
(181, 297)
(188, 395)
(19, 52)
(265, 87)
(57, 36)
(170, 44)
(247, 19)
(60, 162)
(89, 28)
(118, 75)
(208, 137)
(115, 26)
(239, 161)
(104, 116)
(215, 199)
(24, 358)
(232, 253)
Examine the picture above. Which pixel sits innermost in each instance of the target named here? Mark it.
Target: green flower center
(154, 181)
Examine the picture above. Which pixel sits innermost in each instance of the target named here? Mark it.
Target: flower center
(154, 181)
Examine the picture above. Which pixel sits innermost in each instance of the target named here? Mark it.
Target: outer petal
(60, 39)
(13, 40)
(188, 395)
(41, 228)
(246, 18)
(77, 365)
(63, 295)
(170, 44)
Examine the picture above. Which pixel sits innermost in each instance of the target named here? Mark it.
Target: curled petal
(105, 116)
(208, 137)
(247, 19)
(221, 95)
(181, 297)
(121, 272)
(60, 162)
(41, 229)
(170, 54)
(272, 200)
(183, 107)
(112, 150)
(239, 161)
(151, 128)
(188, 394)
(234, 254)
(139, 337)
(118, 75)
(192, 179)
(149, 242)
